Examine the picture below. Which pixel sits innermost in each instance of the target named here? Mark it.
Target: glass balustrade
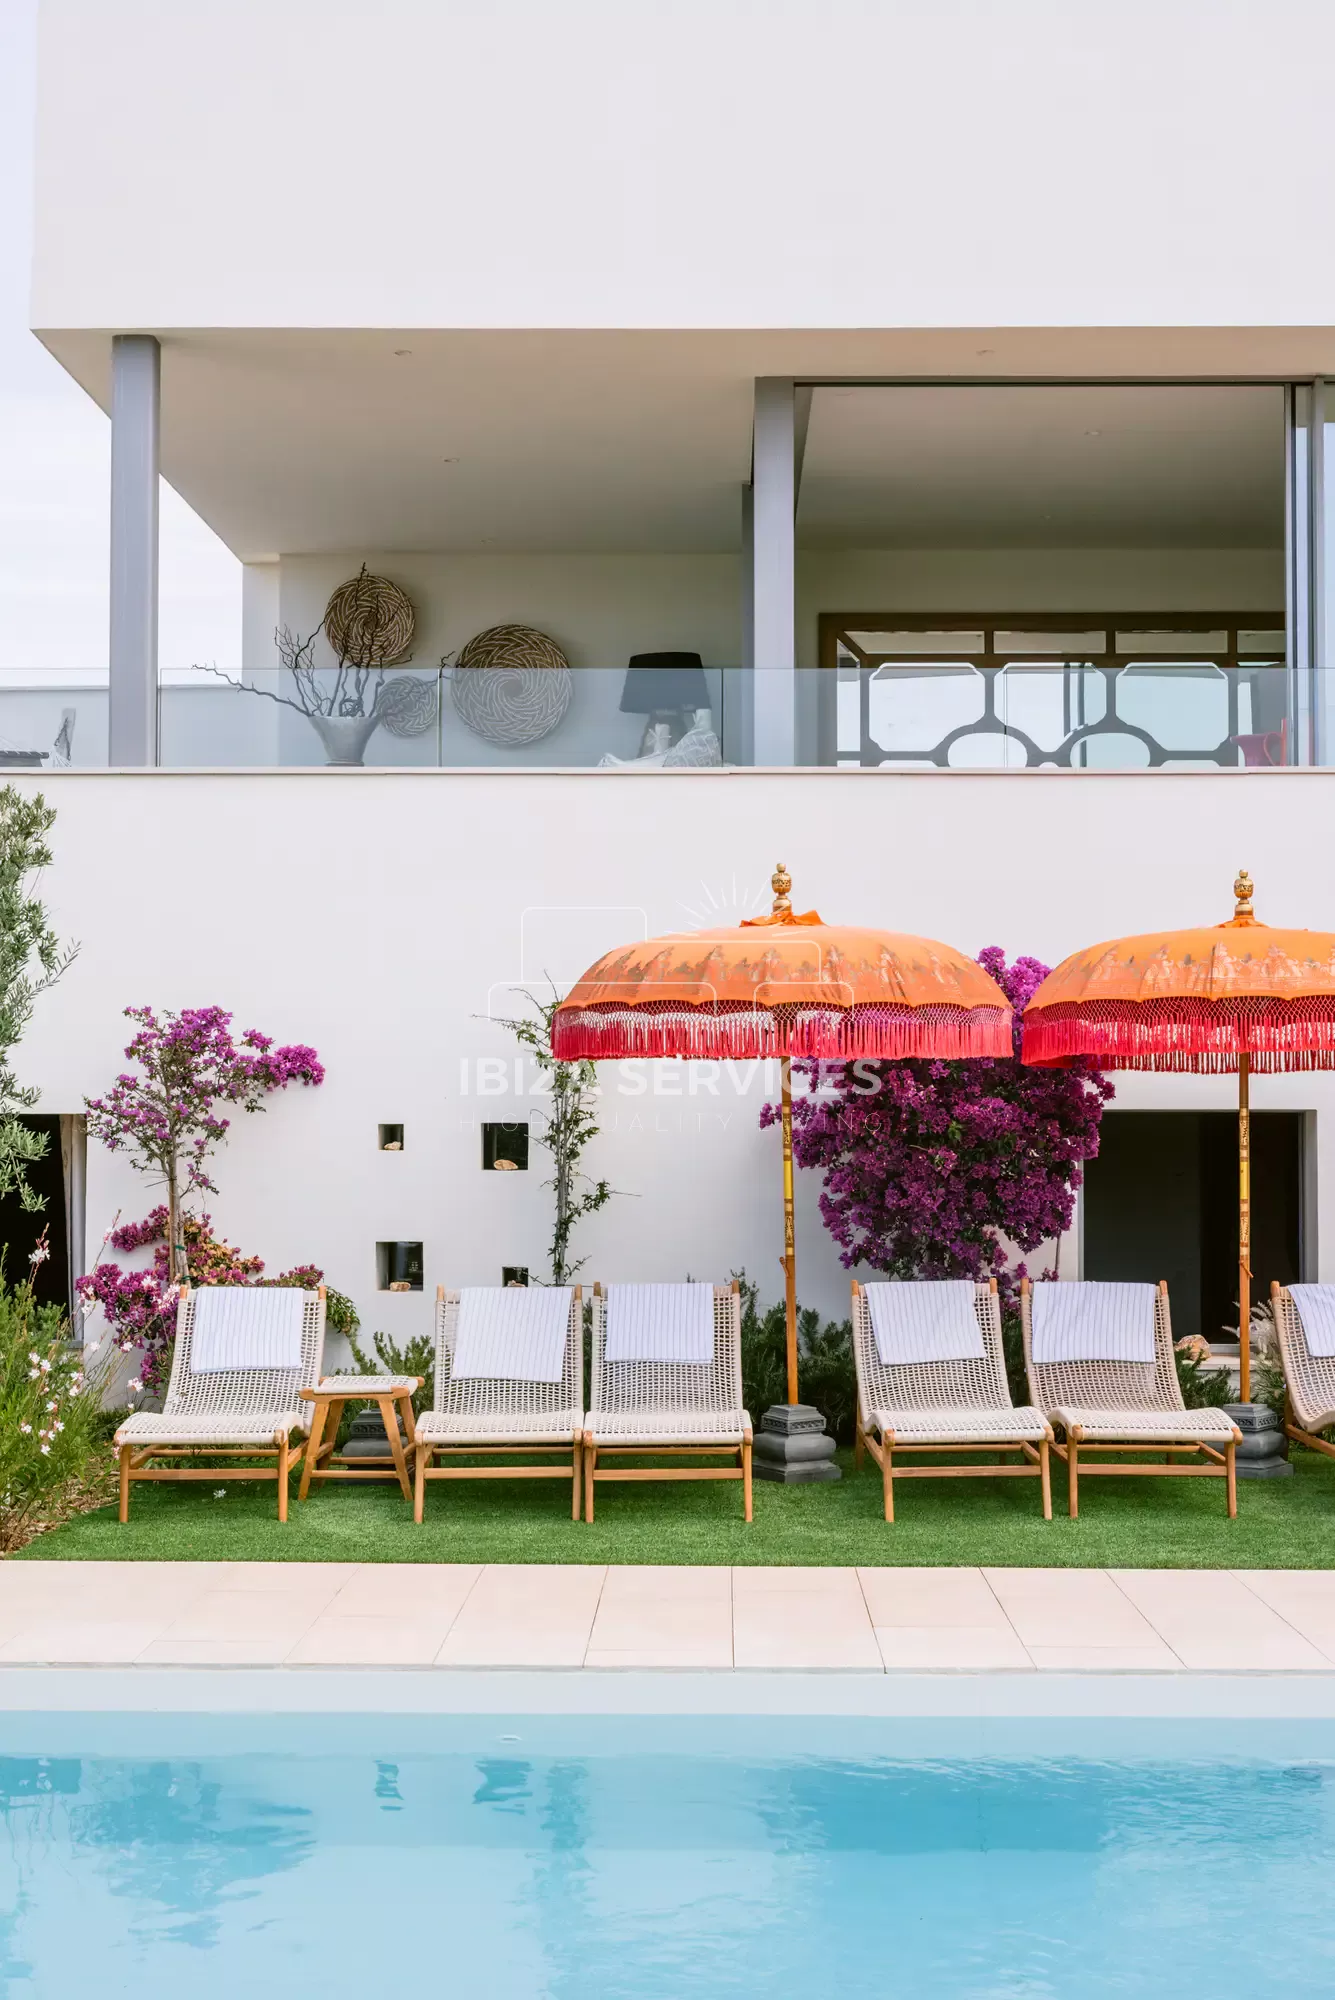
(1152, 711)
(412, 717)
(48, 725)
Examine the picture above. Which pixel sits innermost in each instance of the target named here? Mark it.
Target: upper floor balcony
(951, 576)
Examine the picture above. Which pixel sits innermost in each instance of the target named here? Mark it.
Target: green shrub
(1268, 1384)
(52, 1428)
(825, 1362)
(416, 1357)
(1202, 1388)
(1012, 1353)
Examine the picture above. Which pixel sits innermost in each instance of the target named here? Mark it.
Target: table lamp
(665, 687)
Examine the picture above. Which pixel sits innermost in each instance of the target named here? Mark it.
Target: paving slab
(789, 1619)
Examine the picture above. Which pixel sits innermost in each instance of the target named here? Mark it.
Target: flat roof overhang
(320, 441)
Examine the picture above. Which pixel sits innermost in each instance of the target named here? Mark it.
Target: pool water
(657, 1866)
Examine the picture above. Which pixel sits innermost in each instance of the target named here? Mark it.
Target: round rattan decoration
(407, 704)
(369, 621)
(511, 685)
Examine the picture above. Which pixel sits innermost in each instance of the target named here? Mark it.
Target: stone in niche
(505, 1146)
(400, 1285)
(392, 1146)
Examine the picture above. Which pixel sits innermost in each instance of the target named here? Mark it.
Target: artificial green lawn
(1124, 1523)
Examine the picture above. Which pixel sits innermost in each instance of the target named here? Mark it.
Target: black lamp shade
(664, 684)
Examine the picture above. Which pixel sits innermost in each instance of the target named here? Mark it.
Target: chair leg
(284, 1451)
(887, 1478)
(859, 1443)
(125, 1483)
(312, 1449)
(1073, 1476)
(577, 1480)
(1231, 1455)
(746, 1476)
(420, 1463)
(590, 1464)
(1045, 1464)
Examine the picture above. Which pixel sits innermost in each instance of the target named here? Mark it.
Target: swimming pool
(659, 1858)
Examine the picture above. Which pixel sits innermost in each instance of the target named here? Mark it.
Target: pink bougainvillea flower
(943, 1169)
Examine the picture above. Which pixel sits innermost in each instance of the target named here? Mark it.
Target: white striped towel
(930, 1319)
(246, 1326)
(660, 1323)
(511, 1333)
(1316, 1310)
(1080, 1321)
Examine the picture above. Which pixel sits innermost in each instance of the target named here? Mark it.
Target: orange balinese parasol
(783, 985)
(1240, 996)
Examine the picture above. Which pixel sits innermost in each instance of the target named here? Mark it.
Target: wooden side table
(391, 1393)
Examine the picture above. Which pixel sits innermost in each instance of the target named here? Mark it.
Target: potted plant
(367, 626)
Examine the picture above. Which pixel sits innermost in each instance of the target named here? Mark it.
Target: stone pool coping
(449, 1619)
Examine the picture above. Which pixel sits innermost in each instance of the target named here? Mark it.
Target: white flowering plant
(52, 1427)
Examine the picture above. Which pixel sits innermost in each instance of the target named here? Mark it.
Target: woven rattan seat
(250, 1412)
(532, 1426)
(953, 1406)
(665, 1408)
(955, 1426)
(489, 1414)
(147, 1427)
(1151, 1425)
(1121, 1406)
(1309, 1378)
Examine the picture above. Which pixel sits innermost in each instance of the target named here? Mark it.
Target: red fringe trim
(732, 1032)
(1185, 1034)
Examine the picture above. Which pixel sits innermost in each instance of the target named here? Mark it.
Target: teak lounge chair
(1124, 1407)
(485, 1416)
(234, 1412)
(669, 1409)
(1309, 1378)
(957, 1406)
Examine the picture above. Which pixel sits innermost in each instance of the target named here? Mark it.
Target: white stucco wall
(383, 917)
(866, 163)
(603, 608)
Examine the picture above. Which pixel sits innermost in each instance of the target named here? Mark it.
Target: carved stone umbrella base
(792, 1447)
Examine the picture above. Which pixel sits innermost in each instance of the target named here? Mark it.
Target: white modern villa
(933, 392)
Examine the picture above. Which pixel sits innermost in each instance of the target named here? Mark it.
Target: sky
(55, 469)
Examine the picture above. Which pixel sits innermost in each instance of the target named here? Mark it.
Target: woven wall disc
(407, 704)
(511, 685)
(369, 621)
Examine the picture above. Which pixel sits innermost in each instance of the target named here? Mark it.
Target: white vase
(345, 737)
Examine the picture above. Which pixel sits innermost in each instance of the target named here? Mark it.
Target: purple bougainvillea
(166, 1115)
(941, 1169)
(140, 1306)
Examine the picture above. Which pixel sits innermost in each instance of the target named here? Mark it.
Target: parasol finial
(1242, 890)
(781, 883)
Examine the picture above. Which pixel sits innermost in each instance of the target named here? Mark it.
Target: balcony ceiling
(1181, 467)
(290, 442)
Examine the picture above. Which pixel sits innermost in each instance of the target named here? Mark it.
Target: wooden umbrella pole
(1244, 1229)
(789, 1237)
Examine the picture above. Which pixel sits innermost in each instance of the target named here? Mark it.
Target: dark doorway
(20, 1228)
(1161, 1201)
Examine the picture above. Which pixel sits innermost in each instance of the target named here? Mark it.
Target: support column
(133, 656)
(773, 630)
(740, 711)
